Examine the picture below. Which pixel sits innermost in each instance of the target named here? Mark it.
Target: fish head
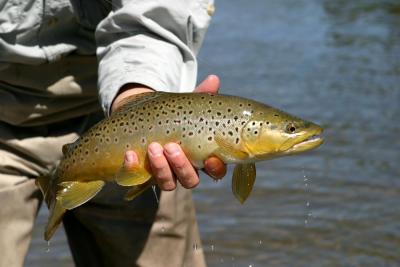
(273, 133)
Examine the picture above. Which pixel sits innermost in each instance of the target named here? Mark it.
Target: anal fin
(244, 176)
(136, 190)
(73, 194)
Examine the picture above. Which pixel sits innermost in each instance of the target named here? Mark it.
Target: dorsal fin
(137, 99)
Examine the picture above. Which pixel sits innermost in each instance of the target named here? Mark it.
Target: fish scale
(235, 129)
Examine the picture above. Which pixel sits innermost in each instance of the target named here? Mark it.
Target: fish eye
(290, 128)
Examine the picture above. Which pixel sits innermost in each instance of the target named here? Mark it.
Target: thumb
(209, 85)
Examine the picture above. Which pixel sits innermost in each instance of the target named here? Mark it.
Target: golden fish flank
(235, 129)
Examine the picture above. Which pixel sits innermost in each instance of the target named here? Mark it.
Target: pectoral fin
(132, 176)
(244, 176)
(137, 190)
(227, 150)
(74, 194)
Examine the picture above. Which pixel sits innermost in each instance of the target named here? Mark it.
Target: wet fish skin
(235, 129)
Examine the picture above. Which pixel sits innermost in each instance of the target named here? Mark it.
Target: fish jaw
(312, 139)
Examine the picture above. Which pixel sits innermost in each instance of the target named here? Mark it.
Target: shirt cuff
(142, 59)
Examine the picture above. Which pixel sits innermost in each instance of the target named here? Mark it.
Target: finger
(160, 168)
(215, 167)
(181, 166)
(209, 85)
(130, 159)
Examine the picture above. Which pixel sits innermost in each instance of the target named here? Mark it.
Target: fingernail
(129, 158)
(172, 149)
(168, 186)
(155, 149)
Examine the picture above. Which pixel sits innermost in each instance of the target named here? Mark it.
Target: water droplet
(260, 242)
(308, 204)
(306, 185)
(195, 246)
(251, 265)
(305, 222)
(48, 247)
(212, 247)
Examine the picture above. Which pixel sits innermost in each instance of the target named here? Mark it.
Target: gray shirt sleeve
(152, 43)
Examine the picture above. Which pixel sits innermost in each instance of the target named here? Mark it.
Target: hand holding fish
(234, 129)
(169, 163)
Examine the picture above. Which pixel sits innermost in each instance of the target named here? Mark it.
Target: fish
(235, 129)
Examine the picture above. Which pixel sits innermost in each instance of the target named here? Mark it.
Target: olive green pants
(106, 231)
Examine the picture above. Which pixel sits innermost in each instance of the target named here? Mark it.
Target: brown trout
(235, 129)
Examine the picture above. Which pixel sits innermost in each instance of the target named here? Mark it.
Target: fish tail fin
(55, 216)
(71, 194)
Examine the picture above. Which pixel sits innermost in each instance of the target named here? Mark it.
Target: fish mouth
(311, 141)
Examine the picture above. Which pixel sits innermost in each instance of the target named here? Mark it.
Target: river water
(336, 63)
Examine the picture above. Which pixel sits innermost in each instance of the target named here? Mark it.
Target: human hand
(169, 163)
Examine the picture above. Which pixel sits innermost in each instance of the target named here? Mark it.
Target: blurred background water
(334, 62)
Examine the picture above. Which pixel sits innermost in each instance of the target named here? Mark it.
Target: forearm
(128, 90)
(151, 43)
